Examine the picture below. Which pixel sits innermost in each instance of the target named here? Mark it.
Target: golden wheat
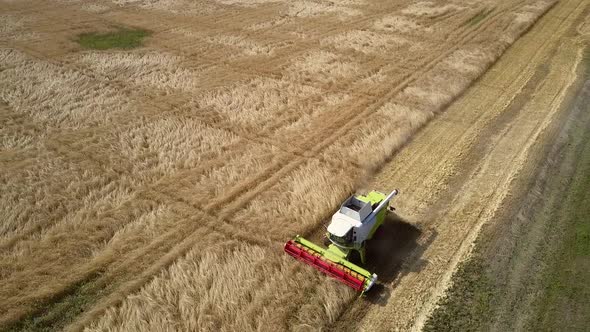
(321, 67)
(257, 101)
(373, 142)
(157, 69)
(294, 204)
(367, 41)
(186, 143)
(246, 46)
(15, 28)
(230, 286)
(397, 23)
(166, 180)
(57, 96)
(304, 8)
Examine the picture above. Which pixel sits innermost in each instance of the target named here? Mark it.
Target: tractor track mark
(347, 120)
(58, 141)
(6, 244)
(411, 287)
(170, 246)
(266, 136)
(288, 167)
(279, 121)
(117, 83)
(465, 135)
(137, 286)
(176, 251)
(498, 197)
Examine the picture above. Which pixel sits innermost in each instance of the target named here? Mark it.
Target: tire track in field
(166, 248)
(409, 292)
(302, 47)
(117, 83)
(497, 199)
(222, 216)
(243, 194)
(121, 84)
(291, 167)
(88, 272)
(440, 19)
(419, 158)
(168, 258)
(81, 325)
(126, 122)
(278, 176)
(58, 144)
(417, 161)
(233, 151)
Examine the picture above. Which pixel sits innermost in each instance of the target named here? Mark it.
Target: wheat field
(152, 189)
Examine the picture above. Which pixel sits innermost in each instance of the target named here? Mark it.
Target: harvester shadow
(393, 246)
(396, 249)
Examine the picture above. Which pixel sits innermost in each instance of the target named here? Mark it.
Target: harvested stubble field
(153, 188)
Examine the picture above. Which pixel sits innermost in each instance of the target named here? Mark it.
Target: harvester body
(354, 223)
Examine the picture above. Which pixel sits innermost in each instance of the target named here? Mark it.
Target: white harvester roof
(352, 212)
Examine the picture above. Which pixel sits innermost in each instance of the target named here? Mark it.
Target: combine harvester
(356, 221)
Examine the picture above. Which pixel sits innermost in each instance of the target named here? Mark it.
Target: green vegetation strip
(62, 311)
(122, 39)
(467, 303)
(563, 301)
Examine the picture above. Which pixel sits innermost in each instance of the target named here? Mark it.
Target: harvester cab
(350, 227)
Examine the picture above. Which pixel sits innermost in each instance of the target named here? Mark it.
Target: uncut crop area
(153, 188)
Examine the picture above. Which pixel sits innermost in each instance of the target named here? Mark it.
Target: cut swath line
(279, 169)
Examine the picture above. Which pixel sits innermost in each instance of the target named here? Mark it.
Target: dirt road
(455, 175)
